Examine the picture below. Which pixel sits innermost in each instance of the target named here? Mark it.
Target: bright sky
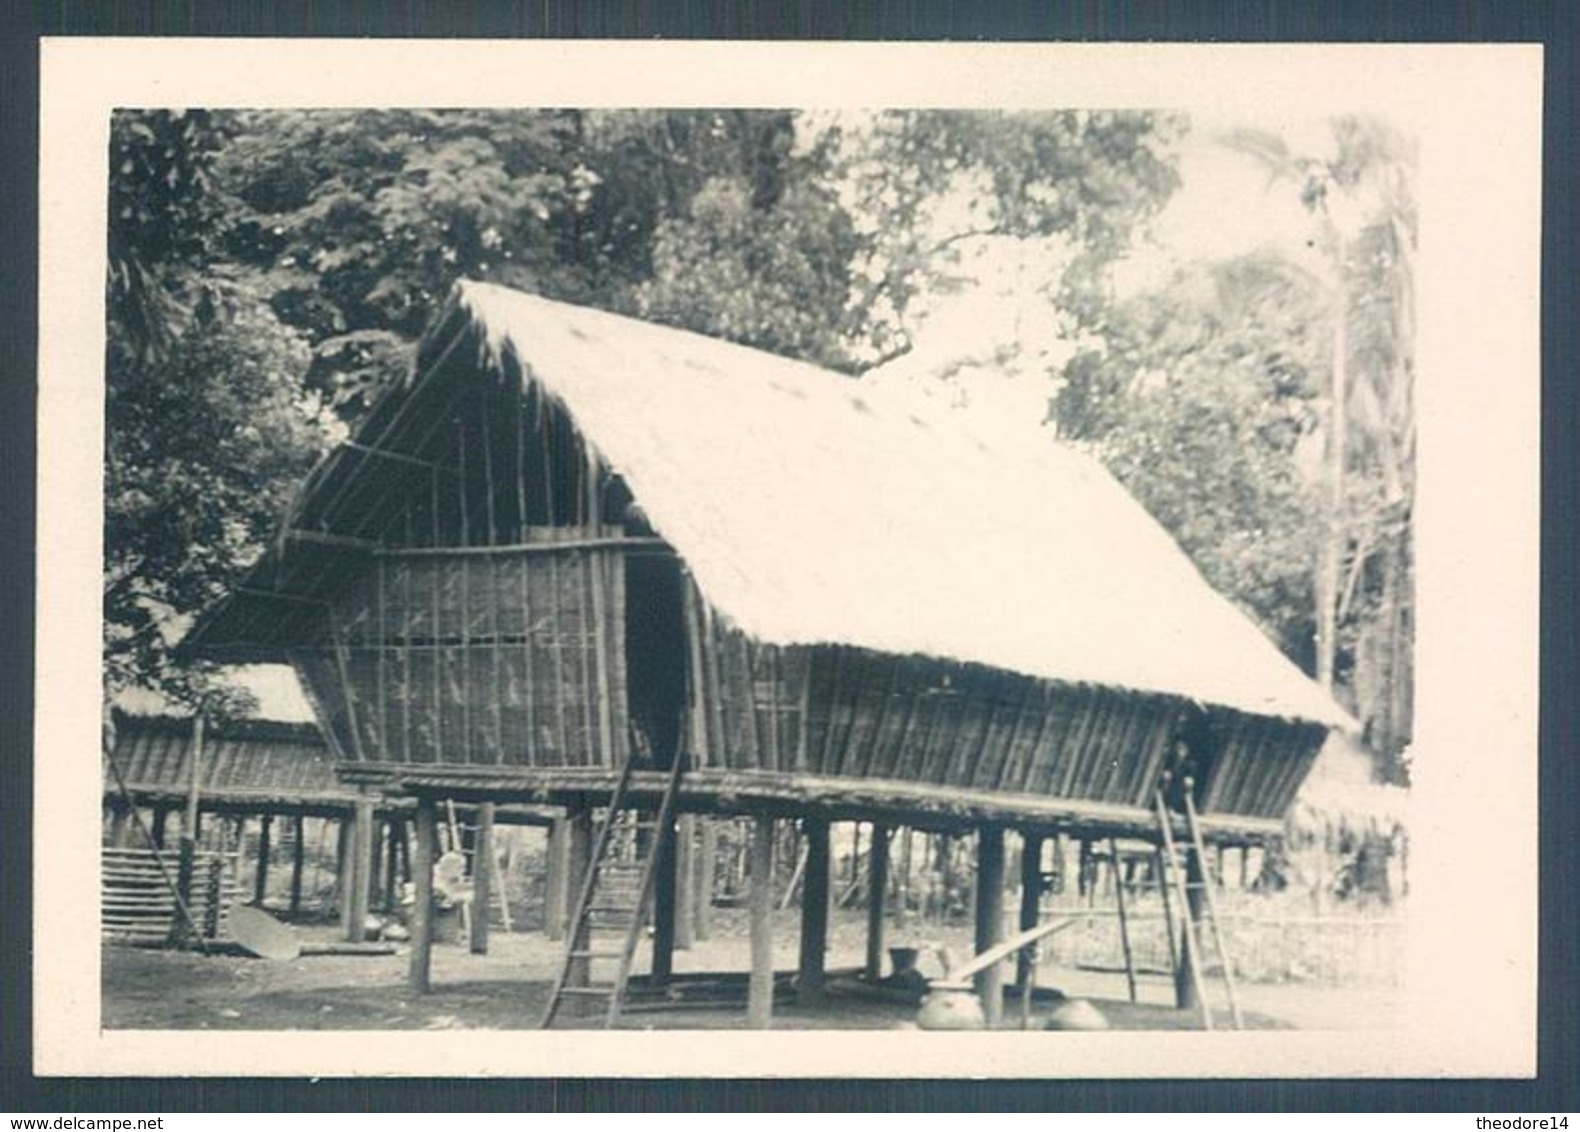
(990, 348)
(1226, 205)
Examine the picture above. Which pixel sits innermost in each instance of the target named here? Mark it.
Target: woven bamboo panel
(513, 659)
(1259, 764)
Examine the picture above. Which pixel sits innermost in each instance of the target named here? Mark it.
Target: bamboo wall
(483, 656)
(1257, 764)
(854, 713)
(847, 712)
(155, 756)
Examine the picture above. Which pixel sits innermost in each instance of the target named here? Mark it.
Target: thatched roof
(812, 512)
(262, 761)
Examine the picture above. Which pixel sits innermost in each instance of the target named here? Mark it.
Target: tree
(249, 237)
(749, 242)
(924, 184)
(1203, 402)
(358, 222)
(206, 422)
(1361, 201)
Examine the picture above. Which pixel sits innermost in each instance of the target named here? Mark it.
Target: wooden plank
(557, 659)
(587, 664)
(913, 755)
(955, 711)
(1230, 749)
(748, 670)
(530, 692)
(826, 759)
(768, 656)
(436, 634)
(1077, 740)
(900, 758)
(696, 683)
(866, 753)
(601, 628)
(407, 655)
(802, 662)
(1116, 748)
(721, 752)
(1160, 740)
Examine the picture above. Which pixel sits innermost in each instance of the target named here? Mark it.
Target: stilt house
(249, 770)
(569, 536)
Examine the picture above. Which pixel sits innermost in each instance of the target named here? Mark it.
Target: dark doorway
(655, 651)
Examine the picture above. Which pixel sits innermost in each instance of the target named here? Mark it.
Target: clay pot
(1076, 1014)
(951, 1009)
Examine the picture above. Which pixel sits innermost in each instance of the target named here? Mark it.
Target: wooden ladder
(1176, 885)
(613, 899)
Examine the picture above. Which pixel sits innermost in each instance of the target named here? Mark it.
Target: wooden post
(298, 860)
(814, 912)
(426, 835)
(1124, 916)
(184, 866)
(403, 843)
(260, 880)
(189, 828)
(1030, 904)
(344, 855)
(707, 863)
(555, 863)
(877, 890)
(482, 876)
(685, 882)
(120, 816)
(1187, 988)
(902, 913)
(194, 781)
(361, 871)
(392, 828)
(760, 990)
(945, 851)
(990, 919)
(578, 859)
(665, 895)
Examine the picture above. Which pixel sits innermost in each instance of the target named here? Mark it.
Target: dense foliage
(270, 270)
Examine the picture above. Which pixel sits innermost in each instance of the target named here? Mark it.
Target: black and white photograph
(757, 551)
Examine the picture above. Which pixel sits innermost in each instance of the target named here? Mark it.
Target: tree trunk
(1330, 556)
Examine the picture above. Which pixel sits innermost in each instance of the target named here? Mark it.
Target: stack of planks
(138, 907)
